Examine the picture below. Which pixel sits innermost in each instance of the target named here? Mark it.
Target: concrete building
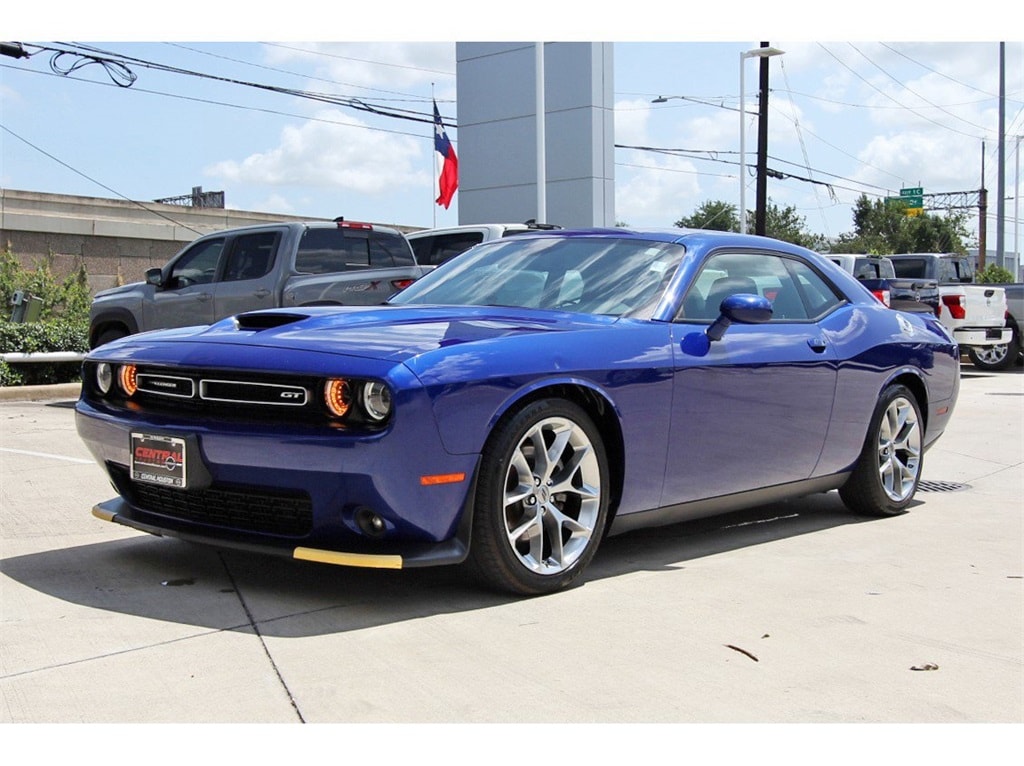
(498, 135)
(116, 239)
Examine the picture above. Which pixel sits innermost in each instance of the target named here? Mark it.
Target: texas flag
(447, 162)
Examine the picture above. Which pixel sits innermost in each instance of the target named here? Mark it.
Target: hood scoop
(267, 320)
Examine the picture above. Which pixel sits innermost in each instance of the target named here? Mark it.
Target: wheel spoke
(552, 497)
(899, 449)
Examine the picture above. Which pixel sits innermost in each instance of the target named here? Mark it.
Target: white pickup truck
(975, 314)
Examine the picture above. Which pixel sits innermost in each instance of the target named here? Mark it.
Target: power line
(212, 102)
(114, 64)
(886, 95)
(910, 90)
(361, 61)
(406, 96)
(93, 180)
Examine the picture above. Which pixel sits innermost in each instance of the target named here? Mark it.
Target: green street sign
(913, 191)
(913, 205)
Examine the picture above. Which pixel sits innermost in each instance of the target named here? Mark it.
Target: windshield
(587, 275)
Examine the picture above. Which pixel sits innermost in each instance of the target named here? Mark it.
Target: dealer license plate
(158, 460)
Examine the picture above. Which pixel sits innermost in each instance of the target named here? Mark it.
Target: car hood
(120, 290)
(389, 333)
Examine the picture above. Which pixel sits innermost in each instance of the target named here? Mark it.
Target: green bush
(41, 337)
(64, 323)
(994, 275)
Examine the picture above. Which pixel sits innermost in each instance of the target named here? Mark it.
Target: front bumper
(407, 556)
(296, 491)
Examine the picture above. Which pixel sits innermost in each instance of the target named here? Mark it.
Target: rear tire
(886, 475)
(996, 358)
(541, 501)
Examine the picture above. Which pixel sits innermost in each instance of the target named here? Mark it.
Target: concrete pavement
(796, 612)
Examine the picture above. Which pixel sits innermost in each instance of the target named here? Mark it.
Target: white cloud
(349, 157)
(658, 197)
(631, 120)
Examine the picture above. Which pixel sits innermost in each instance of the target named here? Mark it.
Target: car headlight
(127, 378)
(376, 400)
(338, 397)
(104, 377)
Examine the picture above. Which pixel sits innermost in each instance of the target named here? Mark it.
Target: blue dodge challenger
(522, 401)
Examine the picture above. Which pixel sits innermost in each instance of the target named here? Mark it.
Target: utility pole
(761, 193)
(1001, 155)
(982, 213)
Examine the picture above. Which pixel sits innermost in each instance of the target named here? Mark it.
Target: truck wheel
(542, 500)
(886, 474)
(110, 334)
(996, 358)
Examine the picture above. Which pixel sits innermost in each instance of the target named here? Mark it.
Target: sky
(918, 109)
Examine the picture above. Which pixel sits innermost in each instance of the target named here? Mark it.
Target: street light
(764, 52)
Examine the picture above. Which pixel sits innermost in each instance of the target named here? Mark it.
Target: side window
(196, 266)
(816, 295)
(796, 291)
(252, 256)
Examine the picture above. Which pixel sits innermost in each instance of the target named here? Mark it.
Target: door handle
(203, 297)
(817, 345)
(262, 292)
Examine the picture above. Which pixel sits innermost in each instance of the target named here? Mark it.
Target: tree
(780, 223)
(712, 214)
(785, 224)
(882, 227)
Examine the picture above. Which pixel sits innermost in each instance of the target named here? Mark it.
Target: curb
(40, 393)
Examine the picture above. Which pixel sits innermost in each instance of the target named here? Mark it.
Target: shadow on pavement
(169, 580)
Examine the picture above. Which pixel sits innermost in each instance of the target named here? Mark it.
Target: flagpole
(433, 166)
(542, 180)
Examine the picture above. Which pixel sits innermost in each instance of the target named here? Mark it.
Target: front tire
(886, 475)
(541, 501)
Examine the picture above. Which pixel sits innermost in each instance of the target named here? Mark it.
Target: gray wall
(497, 133)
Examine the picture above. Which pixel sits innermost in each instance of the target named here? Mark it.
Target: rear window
(328, 250)
(910, 267)
(873, 268)
(435, 249)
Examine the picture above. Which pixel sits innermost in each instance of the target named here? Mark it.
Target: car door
(750, 410)
(186, 295)
(249, 281)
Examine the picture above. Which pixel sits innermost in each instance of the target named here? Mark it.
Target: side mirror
(742, 307)
(154, 277)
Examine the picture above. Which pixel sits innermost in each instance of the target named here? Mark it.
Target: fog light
(377, 400)
(104, 377)
(370, 523)
(127, 376)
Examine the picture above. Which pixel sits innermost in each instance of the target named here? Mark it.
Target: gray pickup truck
(258, 267)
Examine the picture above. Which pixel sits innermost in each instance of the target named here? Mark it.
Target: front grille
(251, 509)
(245, 392)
